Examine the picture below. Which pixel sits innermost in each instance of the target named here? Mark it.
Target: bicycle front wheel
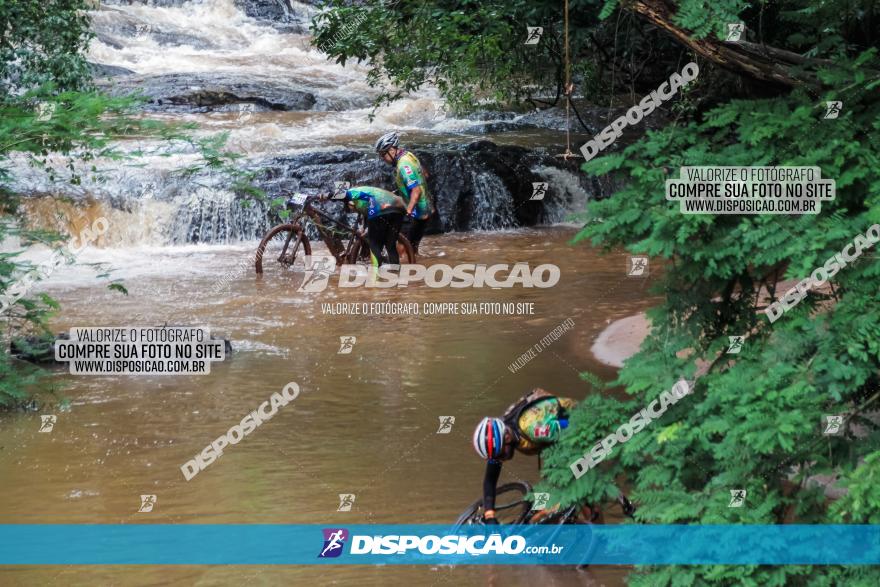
(282, 251)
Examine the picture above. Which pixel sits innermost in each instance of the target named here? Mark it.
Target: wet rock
(552, 118)
(207, 92)
(110, 40)
(269, 9)
(118, 28)
(482, 186)
(177, 39)
(102, 70)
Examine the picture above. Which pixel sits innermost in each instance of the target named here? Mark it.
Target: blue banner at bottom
(277, 544)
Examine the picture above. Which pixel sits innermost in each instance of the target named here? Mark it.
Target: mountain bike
(285, 246)
(512, 506)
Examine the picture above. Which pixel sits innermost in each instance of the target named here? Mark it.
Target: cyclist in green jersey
(384, 213)
(410, 178)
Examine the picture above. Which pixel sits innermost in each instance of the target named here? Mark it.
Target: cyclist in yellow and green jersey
(410, 178)
(529, 425)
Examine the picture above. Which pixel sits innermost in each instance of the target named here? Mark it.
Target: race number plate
(298, 199)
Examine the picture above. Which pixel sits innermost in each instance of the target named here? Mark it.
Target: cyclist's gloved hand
(490, 521)
(563, 423)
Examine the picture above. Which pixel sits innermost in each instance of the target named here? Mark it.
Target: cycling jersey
(373, 202)
(409, 175)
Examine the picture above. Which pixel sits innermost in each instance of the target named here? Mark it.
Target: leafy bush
(754, 422)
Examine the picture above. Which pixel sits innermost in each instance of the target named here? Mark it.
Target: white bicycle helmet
(386, 141)
(489, 438)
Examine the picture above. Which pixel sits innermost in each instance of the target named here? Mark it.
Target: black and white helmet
(386, 141)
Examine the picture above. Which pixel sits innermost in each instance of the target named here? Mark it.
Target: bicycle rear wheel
(283, 250)
(511, 506)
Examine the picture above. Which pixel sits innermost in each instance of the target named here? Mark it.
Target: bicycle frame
(321, 220)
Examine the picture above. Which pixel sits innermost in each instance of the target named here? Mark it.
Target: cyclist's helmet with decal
(489, 438)
(386, 141)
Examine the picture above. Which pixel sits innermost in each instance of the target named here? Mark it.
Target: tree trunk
(760, 62)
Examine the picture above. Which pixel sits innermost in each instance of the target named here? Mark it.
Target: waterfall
(246, 68)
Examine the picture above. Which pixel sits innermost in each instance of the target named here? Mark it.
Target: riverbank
(621, 339)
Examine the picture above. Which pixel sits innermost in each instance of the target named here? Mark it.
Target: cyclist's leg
(415, 232)
(394, 222)
(376, 229)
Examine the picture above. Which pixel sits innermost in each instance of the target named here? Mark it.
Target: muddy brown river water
(365, 422)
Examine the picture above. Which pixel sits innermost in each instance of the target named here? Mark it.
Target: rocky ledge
(206, 92)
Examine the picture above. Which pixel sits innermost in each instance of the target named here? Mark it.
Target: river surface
(365, 423)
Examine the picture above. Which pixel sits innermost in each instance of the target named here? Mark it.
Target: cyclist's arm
(490, 482)
(413, 199)
(411, 179)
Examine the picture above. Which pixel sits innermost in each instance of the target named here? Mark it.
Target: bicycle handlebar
(320, 197)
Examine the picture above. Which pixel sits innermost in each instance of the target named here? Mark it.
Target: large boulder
(284, 15)
(102, 70)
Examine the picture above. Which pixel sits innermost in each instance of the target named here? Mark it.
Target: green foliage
(43, 42)
(753, 422)
(474, 51)
(27, 317)
(16, 382)
(118, 287)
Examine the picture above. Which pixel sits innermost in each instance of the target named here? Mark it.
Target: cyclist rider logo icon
(346, 500)
(346, 344)
(446, 423)
(319, 268)
(147, 503)
(832, 109)
(539, 190)
(737, 498)
(334, 541)
(832, 425)
(47, 422)
(735, 31)
(736, 343)
(541, 500)
(533, 34)
(339, 189)
(637, 267)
